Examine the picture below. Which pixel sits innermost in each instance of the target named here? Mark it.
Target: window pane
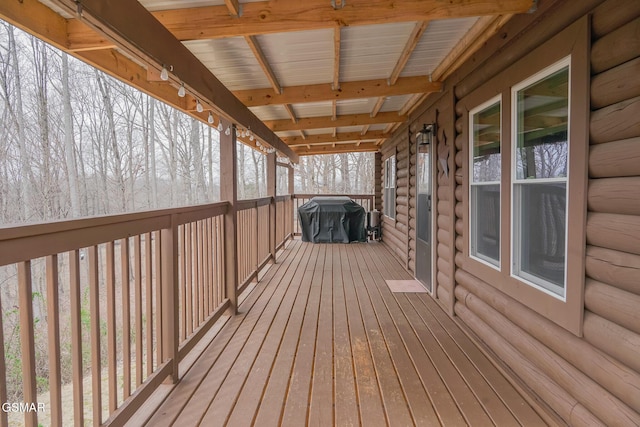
(540, 221)
(485, 222)
(486, 144)
(542, 114)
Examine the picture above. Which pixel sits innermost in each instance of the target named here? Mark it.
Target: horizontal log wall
(592, 379)
(395, 233)
(588, 380)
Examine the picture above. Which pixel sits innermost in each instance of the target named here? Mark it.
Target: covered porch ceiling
(306, 77)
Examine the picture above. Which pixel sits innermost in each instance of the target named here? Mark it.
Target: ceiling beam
(265, 17)
(330, 138)
(133, 28)
(348, 90)
(340, 121)
(338, 148)
(336, 58)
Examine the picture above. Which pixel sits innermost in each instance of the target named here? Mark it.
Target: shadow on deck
(321, 340)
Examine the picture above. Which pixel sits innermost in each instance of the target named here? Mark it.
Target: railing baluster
(53, 332)
(27, 345)
(111, 328)
(76, 338)
(4, 419)
(126, 317)
(183, 285)
(148, 295)
(200, 264)
(94, 313)
(188, 282)
(137, 260)
(158, 289)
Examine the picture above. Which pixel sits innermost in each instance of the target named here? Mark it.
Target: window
(390, 187)
(484, 182)
(540, 157)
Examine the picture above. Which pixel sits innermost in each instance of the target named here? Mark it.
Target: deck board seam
(286, 280)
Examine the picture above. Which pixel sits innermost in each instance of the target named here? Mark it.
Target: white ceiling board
(183, 4)
(270, 112)
(299, 58)
(371, 51)
(395, 103)
(436, 42)
(231, 61)
(313, 109)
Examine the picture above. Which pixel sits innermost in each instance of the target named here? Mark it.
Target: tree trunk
(69, 144)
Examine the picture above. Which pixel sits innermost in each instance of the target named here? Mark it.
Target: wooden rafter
(335, 148)
(234, 7)
(414, 38)
(294, 15)
(336, 58)
(330, 138)
(252, 41)
(327, 122)
(349, 90)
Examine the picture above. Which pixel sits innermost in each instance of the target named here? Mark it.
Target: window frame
(516, 261)
(480, 108)
(390, 187)
(568, 313)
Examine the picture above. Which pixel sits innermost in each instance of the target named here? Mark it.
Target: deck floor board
(321, 340)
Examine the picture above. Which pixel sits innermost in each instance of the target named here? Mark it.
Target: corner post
(228, 193)
(271, 192)
(170, 318)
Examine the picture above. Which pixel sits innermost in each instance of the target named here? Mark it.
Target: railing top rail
(27, 242)
(242, 205)
(353, 196)
(284, 197)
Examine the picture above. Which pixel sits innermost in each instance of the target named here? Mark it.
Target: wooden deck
(321, 340)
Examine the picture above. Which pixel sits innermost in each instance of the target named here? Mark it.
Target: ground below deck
(321, 340)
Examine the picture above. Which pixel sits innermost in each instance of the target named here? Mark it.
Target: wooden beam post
(291, 180)
(377, 177)
(271, 192)
(170, 282)
(229, 193)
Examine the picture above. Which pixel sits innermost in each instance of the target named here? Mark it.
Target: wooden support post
(228, 193)
(169, 303)
(271, 192)
(291, 181)
(377, 176)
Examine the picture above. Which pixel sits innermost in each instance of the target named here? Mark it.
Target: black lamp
(425, 135)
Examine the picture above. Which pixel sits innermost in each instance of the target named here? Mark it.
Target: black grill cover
(332, 220)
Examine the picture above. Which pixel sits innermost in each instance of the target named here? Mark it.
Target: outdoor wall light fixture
(425, 135)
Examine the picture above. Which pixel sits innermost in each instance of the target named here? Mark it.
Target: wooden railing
(262, 230)
(283, 223)
(126, 297)
(106, 308)
(367, 201)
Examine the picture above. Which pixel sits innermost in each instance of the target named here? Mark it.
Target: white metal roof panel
(313, 109)
(371, 51)
(270, 112)
(231, 61)
(436, 42)
(301, 57)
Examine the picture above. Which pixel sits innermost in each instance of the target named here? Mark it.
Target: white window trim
(484, 260)
(389, 207)
(523, 276)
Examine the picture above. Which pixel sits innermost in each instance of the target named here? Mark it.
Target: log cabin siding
(591, 378)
